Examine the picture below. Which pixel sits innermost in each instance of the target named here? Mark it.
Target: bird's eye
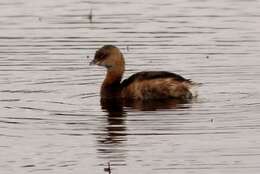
(101, 55)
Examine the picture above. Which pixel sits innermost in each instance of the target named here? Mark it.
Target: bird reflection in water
(113, 134)
(113, 139)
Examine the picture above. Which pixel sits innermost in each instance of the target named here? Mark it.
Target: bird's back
(155, 85)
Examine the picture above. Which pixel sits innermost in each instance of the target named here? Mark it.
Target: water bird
(145, 85)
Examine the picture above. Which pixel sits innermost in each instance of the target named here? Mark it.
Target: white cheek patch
(108, 66)
(100, 63)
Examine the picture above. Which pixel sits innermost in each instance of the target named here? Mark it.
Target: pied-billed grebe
(143, 85)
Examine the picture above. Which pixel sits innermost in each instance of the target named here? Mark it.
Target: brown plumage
(142, 85)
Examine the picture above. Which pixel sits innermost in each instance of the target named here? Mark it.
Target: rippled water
(51, 117)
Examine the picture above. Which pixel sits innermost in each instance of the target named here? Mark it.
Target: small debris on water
(207, 57)
(211, 120)
(90, 16)
(29, 165)
(127, 48)
(108, 168)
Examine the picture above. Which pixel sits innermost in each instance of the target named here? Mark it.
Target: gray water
(51, 117)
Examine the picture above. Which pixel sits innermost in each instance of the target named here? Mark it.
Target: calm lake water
(53, 122)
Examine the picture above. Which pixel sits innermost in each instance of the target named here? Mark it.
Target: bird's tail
(193, 87)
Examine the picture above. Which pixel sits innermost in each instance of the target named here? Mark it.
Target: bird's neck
(113, 77)
(111, 84)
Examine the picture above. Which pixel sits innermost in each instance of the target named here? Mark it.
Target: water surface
(51, 116)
